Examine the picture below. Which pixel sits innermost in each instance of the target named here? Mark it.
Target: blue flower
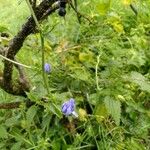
(47, 68)
(68, 108)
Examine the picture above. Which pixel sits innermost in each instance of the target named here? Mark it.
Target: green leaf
(81, 74)
(114, 108)
(101, 112)
(33, 96)
(45, 122)
(118, 27)
(31, 113)
(94, 98)
(2, 145)
(140, 80)
(3, 132)
(3, 28)
(103, 6)
(55, 109)
(115, 21)
(16, 146)
(11, 121)
(84, 57)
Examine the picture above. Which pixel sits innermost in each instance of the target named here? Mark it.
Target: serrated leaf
(139, 79)
(3, 132)
(11, 121)
(32, 96)
(45, 122)
(136, 76)
(114, 108)
(55, 109)
(31, 113)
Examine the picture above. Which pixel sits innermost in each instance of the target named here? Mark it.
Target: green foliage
(3, 28)
(103, 6)
(31, 114)
(3, 132)
(141, 81)
(103, 65)
(114, 108)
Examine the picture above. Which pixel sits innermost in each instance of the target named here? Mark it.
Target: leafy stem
(42, 44)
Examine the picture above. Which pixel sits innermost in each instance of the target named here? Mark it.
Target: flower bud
(47, 68)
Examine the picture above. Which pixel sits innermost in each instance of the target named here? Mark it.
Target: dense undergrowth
(104, 65)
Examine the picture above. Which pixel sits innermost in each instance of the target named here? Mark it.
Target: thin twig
(79, 14)
(14, 62)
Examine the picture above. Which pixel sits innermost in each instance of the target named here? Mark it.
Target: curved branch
(17, 42)
(79, 15)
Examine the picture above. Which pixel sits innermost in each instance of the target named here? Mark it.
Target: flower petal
(68, 107)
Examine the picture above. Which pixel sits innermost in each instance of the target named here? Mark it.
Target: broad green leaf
(101, 112)
(31, 113)
(81, 75)
(103, 6)
(141, 81)
(137, 77)
(114, 108)
(84, 57)
(3, 132)
(32, 96)
(94, 98)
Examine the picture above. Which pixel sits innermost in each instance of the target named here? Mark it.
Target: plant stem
(96, 71)
(42, 44)
(14, 62)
